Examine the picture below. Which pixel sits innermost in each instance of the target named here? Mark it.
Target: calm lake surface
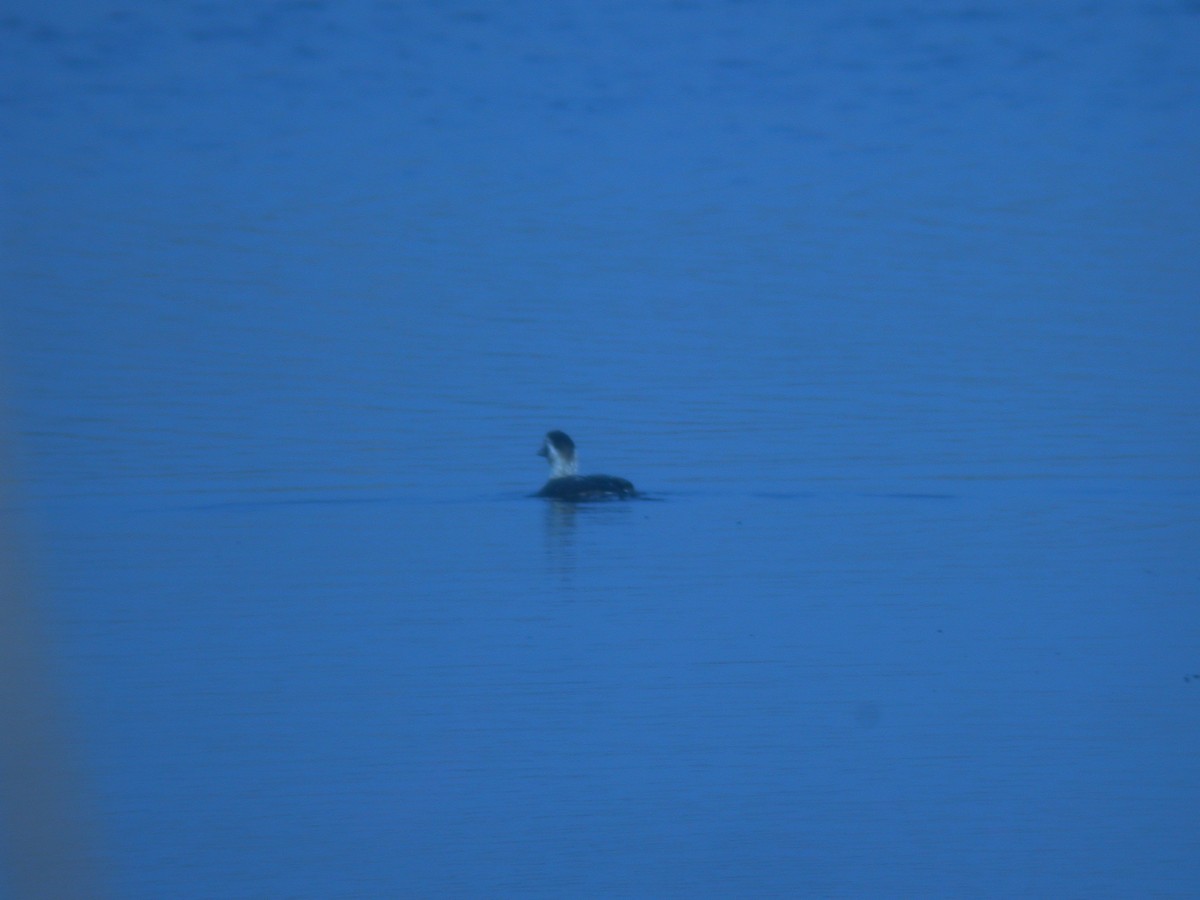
(890, 308)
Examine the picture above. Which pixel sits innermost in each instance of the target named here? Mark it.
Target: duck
(567, 484)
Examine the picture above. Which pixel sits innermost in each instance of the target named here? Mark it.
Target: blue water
(890, 307)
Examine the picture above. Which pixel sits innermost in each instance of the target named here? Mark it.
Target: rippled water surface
(891, 310)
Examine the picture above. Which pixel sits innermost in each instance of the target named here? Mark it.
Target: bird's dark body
(587, 488)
